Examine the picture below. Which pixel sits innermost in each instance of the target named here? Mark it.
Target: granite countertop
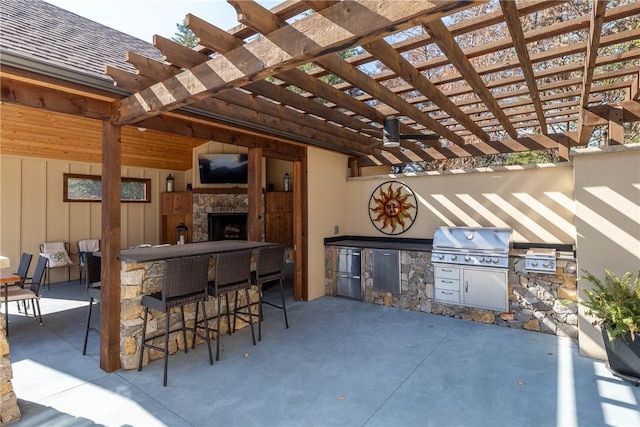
(394, 243)
(156, 253)
(565, 251)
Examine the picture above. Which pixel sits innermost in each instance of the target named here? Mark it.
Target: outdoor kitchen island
(141, 273)
(538, 301)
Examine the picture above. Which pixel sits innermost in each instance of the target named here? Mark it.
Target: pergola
(236, 87)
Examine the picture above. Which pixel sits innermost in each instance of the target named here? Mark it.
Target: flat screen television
(223, 168)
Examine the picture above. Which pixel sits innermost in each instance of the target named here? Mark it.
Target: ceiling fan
(391, 133)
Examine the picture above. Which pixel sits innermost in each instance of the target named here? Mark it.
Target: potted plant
(616, 304)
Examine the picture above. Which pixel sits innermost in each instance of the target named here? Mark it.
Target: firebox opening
(227, 226)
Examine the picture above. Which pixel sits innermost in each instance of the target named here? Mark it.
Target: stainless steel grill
(473, 246)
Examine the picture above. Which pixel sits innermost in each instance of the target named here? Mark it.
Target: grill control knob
(495, 260)
(441, 256)
(454, 257)
(467, 258)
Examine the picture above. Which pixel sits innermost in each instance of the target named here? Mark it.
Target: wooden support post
(110, 249)
(563, 149)
(616, 126)
(353, 166)
(254, 191)
(300, 228)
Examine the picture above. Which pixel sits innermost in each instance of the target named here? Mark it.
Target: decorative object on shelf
(393, 207)
(189, 187)
(616, 304)
(182, 234)
(170, 183)
(286, 181)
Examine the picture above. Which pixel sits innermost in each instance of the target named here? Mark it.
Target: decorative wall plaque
(393, 207)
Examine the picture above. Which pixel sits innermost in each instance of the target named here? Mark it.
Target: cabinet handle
(446, 293)
(466, 286)
(446, 281)
(448, 270)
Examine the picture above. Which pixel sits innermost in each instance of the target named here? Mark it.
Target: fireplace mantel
(230, 190)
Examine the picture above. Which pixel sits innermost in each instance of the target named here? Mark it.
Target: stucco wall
(32, 210)
(607, 198)
(328, 208)
(536, 202)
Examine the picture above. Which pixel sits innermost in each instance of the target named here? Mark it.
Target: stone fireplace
(230, 208)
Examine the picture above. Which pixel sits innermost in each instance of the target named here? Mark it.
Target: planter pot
(623, 357)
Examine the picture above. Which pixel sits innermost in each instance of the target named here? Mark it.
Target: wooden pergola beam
(517, 35)
(598, 10)
(317, 35)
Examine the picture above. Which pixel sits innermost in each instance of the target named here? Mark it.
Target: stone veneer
(205, 203)
(146, 278)
(9, 410)
(537, 302)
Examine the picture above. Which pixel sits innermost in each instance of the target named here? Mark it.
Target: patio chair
(233, 273)
(93, 266)
(84, 246)
(57, 254)
(23, 271)
(32, 293)
(185, 281)
(268, 270)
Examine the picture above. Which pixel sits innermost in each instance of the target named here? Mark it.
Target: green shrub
(616, 302)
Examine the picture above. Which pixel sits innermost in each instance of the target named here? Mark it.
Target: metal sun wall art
(393, 207)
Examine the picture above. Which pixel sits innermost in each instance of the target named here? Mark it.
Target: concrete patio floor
(341, 363)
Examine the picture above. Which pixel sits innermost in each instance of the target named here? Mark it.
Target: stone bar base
(138, 279)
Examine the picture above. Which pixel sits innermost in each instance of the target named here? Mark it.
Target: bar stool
(184, 281)
(233, 273)
(268, 269)
(93, 270)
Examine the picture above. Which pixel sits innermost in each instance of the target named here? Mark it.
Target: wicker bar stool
(93, 269)
(233, 273)
(184, 281)
(268, 270)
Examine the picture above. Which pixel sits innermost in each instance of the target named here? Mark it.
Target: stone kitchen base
(538, 302)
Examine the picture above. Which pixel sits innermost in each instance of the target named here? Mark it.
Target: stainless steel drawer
(348, 260)
(447, 272)
(445, 295)
(450, 284)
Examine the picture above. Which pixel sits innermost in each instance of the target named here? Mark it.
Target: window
(88, 188)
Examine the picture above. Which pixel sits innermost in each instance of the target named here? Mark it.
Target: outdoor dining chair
(93, 267)
(23, 271)
(31, 294)
(57, 254)
(84, 247)
(185, 281)
(232, 273)
(268, 270)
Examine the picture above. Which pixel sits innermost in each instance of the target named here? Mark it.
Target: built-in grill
(476, 246)
(540, 260)
(470, 266)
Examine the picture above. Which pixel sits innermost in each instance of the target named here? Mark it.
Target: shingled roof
(34, 29)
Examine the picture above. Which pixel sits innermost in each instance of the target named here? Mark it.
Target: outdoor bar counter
(141, 274)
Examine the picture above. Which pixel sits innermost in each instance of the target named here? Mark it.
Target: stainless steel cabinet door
(386, 270)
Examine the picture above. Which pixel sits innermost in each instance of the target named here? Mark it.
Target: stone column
(9, 411)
